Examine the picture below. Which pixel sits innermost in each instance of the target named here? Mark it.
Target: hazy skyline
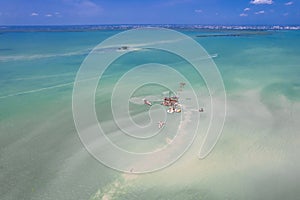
(69, 12)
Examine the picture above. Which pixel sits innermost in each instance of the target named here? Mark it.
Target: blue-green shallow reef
(41, 156)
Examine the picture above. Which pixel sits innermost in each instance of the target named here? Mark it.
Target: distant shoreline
(88, 28)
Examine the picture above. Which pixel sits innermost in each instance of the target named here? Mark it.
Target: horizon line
(157, 24)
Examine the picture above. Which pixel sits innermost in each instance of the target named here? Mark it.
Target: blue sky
(226, 12)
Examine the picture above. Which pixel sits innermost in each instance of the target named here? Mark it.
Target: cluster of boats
(171, 102)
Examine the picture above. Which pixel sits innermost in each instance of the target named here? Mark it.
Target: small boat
(170, 110)
(161, 124)
(182, 84)
(178, 110)
(147, 102)
(123, 48)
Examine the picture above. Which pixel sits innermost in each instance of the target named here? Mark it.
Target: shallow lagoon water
(41, 156)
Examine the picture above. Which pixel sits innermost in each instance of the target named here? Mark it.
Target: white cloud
(83, 7)
(34, 14)
(198, 11)
(243, 15)
(285, 14)
(48, 15)
(289, 3)
(261, 2)
(247, 9)
(260, 12)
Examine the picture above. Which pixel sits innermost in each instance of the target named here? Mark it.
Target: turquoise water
(41, 156)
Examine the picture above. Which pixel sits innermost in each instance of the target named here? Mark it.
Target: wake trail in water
(36, 90)
(42, 89)
(41, 56)
(43, 77)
